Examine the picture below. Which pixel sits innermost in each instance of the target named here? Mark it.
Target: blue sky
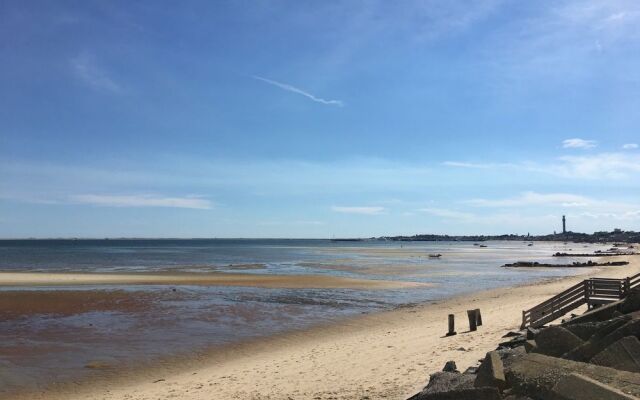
(318, 119)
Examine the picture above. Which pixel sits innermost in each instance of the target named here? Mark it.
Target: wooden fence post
(452, 325)
(627, 286)
(471, 314)
(586, 293)
(478, 317)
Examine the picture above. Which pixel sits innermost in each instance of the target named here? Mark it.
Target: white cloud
(88, 71)
(532, 199)
(597, 166)
(358, 210)
(293, 89)
(446, 213)
(630, 146)
(141, 201)
(577, 143)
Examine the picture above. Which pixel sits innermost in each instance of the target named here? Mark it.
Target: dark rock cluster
(535, 264)
(594, 356)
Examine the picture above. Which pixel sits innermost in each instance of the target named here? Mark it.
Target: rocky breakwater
(594, 356)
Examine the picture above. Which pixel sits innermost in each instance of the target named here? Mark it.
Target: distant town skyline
(318, 119)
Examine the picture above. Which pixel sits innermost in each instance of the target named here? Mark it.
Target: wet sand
(17, 304)
(382, 355)
(15, 279)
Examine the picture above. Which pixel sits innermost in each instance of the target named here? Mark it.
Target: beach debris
(452, 326)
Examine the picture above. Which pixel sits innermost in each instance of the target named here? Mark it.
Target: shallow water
(39, 347)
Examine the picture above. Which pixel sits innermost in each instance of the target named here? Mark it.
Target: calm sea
(37, 349)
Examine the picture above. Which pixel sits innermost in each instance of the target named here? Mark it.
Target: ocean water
(36, 349)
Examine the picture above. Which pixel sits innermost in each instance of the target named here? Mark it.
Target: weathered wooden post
(452, 326)
(586, 292)
(478, 317)
(627, 286)
(471, 314)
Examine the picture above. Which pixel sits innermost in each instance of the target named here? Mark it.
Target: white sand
(385, 355)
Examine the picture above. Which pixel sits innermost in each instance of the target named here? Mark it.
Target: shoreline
(387, 354)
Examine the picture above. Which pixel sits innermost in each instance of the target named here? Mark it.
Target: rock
(485, 393)
(631, 302)
(556, 341)
(511, 334)
(448, 381)
(532, 332)
(535, 375)
(597, 343)
(623, 354)
(471, 370)
(515, 342)
(450, 366)
(579, 387)
(601, 313)
(530, 345)
(491, 372)
(584, 330)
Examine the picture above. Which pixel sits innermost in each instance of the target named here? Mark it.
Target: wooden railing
(593, 292)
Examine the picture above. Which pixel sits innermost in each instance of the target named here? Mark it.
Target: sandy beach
(381, 355)
(17, 279)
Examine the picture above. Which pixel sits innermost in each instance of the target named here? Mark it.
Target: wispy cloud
(85, 67)
(534, 199)
(447, 213)
(358, 210)
(617, 165)
(293, 89)
(577, 143)
(141, 201)
(630, 146)
(597, 166)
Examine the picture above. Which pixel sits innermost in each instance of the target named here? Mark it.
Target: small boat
(530, 244)
(435, 255)
(483, 245)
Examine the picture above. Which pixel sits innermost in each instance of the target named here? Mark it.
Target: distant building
(564, 225)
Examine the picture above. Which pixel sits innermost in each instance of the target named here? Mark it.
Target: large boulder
(535, 375)
(485, 393)
(448, 381)
(631, 302)
(491, 372)
(623, 354)
(586, 330)
(596, 344)
(579, 387)
(555, 341)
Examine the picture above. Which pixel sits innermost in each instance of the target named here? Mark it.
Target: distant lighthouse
(564, 225)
